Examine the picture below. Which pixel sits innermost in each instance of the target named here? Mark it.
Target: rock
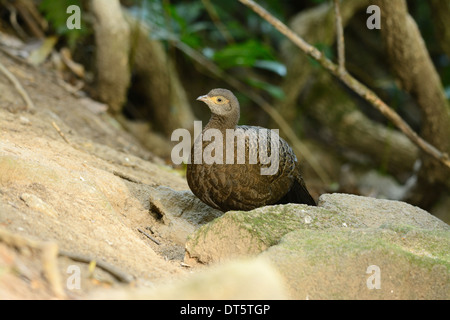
(240, 280)
(240, 233)
(344, 264)
(349, 247)
(38, 204)
(86, 211)
(24, 120)
(376, 212)
(180, 211)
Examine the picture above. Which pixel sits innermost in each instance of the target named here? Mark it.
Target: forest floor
(70, 175)
(87, 212)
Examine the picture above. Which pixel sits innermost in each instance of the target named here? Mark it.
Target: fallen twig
(126, 177)
(118, 274)
(18, 86)
(351, 82)
(60, 132)
(48, 252)
(149, 236)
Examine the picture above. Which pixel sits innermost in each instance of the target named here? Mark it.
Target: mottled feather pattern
(242, 186)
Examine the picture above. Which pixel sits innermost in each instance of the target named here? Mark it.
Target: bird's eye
(219, 100)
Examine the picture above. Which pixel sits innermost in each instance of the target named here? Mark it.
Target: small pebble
(24, 120)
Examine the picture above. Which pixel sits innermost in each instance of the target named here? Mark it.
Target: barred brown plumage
(242, 186)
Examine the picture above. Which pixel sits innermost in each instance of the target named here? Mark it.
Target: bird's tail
(298, 194)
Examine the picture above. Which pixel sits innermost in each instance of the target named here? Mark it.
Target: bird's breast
(230, 175)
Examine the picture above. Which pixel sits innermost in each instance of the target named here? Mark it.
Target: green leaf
(274, 66)
(56, 14)
(189, 12)
(192, 40)
(242, 54)
(273, 90)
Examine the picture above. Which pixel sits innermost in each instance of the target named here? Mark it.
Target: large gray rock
(402, 263)
(376, 212)
(241, 233)
(349, 247)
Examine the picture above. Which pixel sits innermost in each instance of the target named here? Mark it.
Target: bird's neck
(221, 123)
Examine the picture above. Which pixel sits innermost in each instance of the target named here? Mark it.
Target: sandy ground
(70, 175)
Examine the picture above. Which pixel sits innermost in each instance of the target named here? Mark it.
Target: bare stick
(48, 251)
(340, 38)
(18, 86)
(126, 177)
(149, 236)
(118, 274)
(60, 132)
(217, 22)
(50, 268)
(351, 82)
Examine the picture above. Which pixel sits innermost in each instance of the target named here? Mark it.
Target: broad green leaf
(242, 54)
(273, 66)
(273, 90)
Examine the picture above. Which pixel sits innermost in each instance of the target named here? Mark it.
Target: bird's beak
(203, 98)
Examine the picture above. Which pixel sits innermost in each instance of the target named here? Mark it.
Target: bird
(241, 185)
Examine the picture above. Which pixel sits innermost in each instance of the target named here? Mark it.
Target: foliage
(220, 31)
(56, 15)
(242, 54)
(231, 36)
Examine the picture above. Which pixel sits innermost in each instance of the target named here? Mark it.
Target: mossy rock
(410, 263)
(377, 212)
(239, 233)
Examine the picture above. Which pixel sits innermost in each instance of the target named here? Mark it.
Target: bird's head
(222, 102)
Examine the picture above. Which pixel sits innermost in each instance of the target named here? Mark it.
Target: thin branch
(217, 22)
(126, 177)
(351, 82)
(18, 86)
(60, 132)
(148, 236)
(49, 255)
(114, 271)
(340, 38)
